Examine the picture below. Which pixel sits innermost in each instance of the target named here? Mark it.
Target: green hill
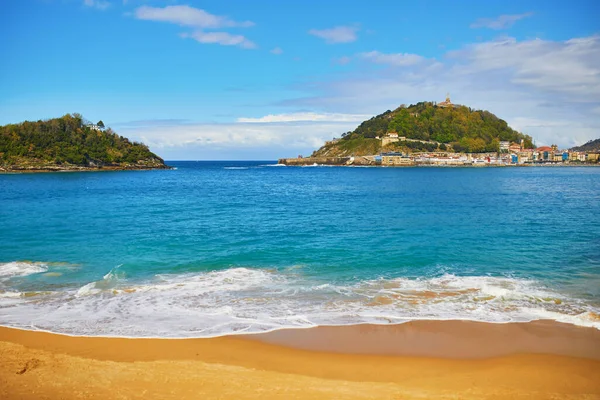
(69, 142)
(432, 127)
(591, 146)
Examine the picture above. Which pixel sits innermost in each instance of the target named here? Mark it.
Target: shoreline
(307, 162)
(420, 337)
(79, 169)
(419, 359)
(452, 339)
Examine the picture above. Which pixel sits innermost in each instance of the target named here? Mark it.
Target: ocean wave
(21, 268)
(108, 282)
(317, 165)
(10, 294)
(235, 167)
(249, 300)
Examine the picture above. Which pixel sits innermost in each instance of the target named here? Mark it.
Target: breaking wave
(248, 300)
(21, 268)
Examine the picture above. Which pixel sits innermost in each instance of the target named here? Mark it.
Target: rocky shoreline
(79, 168)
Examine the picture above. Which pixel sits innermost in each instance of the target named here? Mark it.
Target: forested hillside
(70, 141)
(592, 145)
(457, 127)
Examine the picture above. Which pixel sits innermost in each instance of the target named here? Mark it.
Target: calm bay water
(214, 248)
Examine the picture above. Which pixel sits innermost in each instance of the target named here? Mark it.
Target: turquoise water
(214, 248)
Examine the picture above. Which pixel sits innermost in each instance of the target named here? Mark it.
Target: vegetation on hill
(352, 146)
(592, 146)
(70, 141)
(458, 128)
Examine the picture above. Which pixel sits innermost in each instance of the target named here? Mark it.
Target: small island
(441, 134)
(71, 143)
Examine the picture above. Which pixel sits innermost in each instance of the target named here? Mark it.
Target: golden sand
(37, 365)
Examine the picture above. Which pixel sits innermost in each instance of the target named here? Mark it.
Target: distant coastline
(442, 134)
(407, 162)
(24, 169)
(71, 144)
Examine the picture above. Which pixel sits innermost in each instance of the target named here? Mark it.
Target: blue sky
(266, 79)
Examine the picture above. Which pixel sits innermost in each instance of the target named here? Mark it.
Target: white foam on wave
(497, 287)
(21, 268)
(586, 318)
(235, 167)
(250, 300)
(317, 165)
(108, 281)
(480, 298)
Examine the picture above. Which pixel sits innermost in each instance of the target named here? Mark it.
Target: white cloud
(557, 82)
(568, 67)
(502, 22)
(187, 16)
(398, 59)
(99, 4)
(222, 38)
(342, 60)
(201, 21)
(307, 116)
(234, 140)
(338, 34)
(547, 89)
(578, 132)
(277, 50)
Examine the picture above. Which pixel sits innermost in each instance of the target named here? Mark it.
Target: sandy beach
(416, 360)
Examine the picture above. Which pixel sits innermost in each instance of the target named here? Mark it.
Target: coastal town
(395, 151)
(508, 154)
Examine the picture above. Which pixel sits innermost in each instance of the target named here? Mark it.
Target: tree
(100, 124)
(460, 128)
(66, 140)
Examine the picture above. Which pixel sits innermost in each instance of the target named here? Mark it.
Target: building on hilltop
(446, 103)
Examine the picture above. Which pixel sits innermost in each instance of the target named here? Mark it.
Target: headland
(442, 134)
(71, 144)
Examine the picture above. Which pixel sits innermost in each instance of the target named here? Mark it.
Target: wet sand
(416, 360)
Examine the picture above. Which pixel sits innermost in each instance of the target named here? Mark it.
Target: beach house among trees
(97, 127)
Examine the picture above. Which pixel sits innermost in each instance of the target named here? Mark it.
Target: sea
(230, 247)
